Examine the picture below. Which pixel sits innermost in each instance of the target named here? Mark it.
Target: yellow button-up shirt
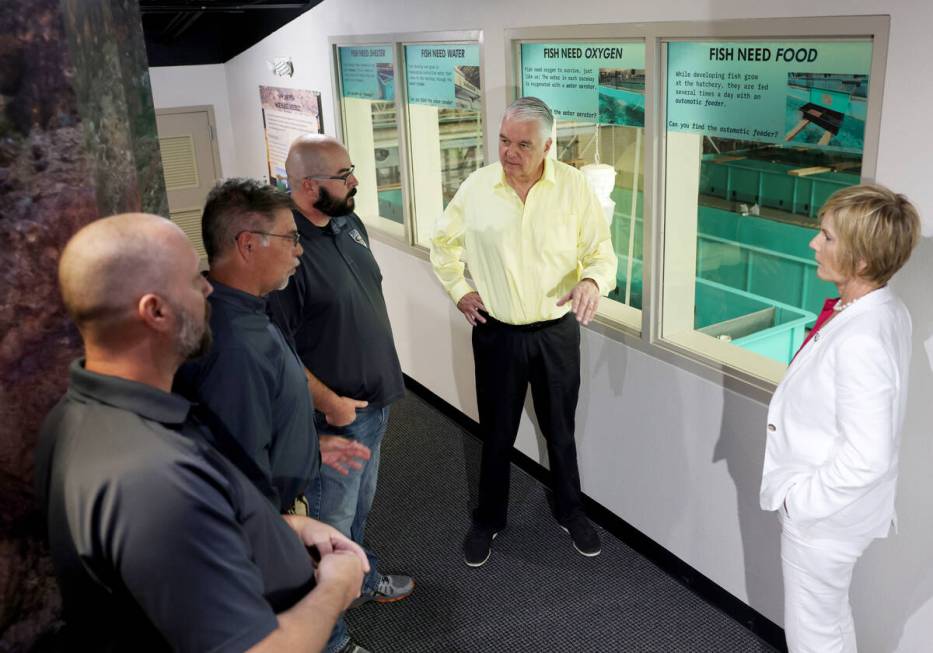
(523, 257)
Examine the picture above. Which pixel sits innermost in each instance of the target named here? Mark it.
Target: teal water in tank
(745, 265)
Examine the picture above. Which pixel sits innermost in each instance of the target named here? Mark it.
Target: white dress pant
(817, 575)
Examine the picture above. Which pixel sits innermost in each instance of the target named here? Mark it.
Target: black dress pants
(508, 358)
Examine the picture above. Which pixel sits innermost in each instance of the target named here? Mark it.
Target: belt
(531, 326)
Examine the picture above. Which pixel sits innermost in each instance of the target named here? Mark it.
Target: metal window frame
(624, 33)
(655, 36)
(397, 42)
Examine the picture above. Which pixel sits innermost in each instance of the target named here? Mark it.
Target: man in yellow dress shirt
(537, 244)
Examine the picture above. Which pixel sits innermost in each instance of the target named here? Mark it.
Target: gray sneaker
(389, 589)
(354, 648)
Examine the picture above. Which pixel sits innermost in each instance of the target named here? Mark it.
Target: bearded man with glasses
(335, 311)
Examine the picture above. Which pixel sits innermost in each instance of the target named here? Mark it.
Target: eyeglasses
(345, 177)
(294, 236)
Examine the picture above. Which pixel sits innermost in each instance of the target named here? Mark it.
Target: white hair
(531, 108)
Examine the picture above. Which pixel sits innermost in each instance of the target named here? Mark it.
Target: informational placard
(287, 113)
(595, 82)
(444, 75)
(367, 72)
(804, 93)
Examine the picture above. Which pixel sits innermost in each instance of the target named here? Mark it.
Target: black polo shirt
(335, 311)
(254, 383)
(159, 542)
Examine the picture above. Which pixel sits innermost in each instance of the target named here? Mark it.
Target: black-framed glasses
(345, 177)
(293, 236)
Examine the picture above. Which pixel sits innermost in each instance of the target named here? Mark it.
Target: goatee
(329, 205)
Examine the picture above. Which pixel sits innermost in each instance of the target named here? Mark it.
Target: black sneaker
(584, 536)
(477, 546)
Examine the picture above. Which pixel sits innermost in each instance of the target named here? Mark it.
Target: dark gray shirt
(335, 311)
(254, 383)
(158, 541)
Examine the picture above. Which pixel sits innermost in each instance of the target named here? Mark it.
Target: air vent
(190, 223)
(179, 163)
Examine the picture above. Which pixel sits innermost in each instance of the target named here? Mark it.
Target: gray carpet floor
(536, 593)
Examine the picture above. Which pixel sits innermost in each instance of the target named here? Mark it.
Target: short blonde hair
(877, 230)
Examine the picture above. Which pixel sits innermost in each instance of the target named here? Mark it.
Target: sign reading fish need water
(444, 75)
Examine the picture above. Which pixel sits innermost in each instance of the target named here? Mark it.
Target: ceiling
(190, 32)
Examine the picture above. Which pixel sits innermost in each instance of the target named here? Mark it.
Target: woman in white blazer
(834, 422)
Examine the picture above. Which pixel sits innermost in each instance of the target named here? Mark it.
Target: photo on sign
(826, 109)
(467, 87)
(622, 97)
(385, 74)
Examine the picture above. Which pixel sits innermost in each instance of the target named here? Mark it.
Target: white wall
(185, 86)
(676, 455)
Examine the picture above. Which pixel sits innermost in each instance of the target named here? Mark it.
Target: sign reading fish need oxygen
(600, 83)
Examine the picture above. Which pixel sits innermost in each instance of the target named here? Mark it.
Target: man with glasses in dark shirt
(335, 311)
(159, 541)
(252, 379)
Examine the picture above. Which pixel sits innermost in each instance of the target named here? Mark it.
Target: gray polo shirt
(334, 310)
(254, 383)
(158, 541)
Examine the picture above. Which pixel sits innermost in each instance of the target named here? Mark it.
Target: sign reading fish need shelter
(367, 72)
(802, 93)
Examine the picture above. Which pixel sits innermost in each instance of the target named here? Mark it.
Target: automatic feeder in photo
(826, 109)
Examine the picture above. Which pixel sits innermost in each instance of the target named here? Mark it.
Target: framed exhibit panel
(365, 75)
(444, 115)
(758, 131)
(598, 89)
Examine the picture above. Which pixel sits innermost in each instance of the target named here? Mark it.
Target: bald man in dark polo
(159, 541)
(335, 311)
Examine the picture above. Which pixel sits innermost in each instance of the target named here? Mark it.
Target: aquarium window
(368, 112)
(758, 134)
(596, 89)
(444, 102)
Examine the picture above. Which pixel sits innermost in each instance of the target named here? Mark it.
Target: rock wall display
(77, 142)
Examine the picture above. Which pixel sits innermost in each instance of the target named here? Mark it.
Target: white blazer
(834, 423)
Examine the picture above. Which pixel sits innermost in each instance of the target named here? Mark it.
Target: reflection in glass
(583, 143)
(461, 132)
(445, 128)
(388, 176)
(756, 283)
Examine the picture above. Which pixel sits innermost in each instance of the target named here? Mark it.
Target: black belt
(531, 326)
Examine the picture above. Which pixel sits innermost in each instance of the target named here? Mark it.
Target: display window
(758, 134)
(596, 90)
(368, 111)
(444, 102)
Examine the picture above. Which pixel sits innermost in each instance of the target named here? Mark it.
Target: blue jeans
(344, 501)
